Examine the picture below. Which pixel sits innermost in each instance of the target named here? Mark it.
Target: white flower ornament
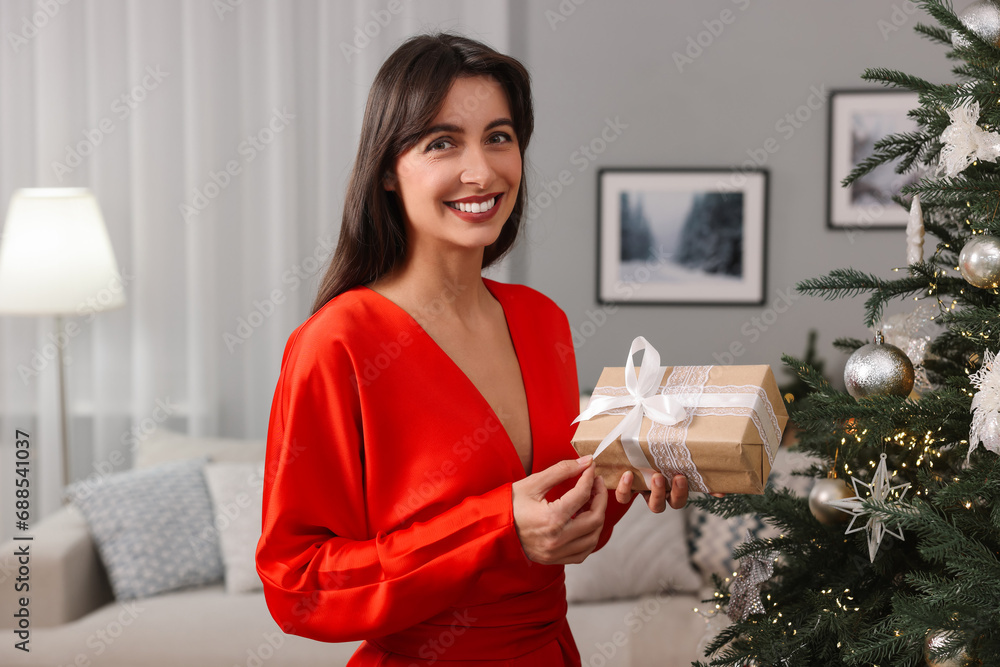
(965, 142)
(986, 406)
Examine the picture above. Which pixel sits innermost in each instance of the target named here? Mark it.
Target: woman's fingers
(536, 486)
(541, 482)
(623, 492)
(593, 512)
(584, 531)
(577, 550)
(678, 492)
(657, 497)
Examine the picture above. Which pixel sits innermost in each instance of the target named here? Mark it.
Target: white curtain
(218, 137)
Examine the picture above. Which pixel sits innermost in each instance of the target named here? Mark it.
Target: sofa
(631, 603)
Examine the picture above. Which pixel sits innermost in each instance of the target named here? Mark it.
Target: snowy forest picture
(857, 121)
(691, 236)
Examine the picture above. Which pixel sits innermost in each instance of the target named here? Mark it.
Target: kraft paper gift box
(718, 425)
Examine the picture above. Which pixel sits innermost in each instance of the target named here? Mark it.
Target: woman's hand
(657, 498)
(561, 531)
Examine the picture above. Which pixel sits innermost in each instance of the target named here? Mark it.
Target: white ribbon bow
(646, 401)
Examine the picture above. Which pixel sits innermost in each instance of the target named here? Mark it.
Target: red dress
(387, 509)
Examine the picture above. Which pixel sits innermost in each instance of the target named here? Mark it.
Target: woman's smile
(475, 204)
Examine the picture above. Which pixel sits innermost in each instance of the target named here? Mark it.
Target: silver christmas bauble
(982, 18)
(979, 261)
(935, 639)
(878, 369)
(824, 491)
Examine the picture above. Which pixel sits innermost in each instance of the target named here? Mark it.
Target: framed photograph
(857, 120)
(681, 236)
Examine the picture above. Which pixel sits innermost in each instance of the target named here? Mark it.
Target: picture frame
(857, 119)
(676, 236)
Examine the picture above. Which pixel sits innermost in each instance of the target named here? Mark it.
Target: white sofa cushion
(647, 554)
(237, 491)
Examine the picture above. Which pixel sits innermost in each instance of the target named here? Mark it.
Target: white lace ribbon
(752, 404)
(674, 404)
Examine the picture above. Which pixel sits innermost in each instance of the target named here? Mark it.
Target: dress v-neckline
(482, 399)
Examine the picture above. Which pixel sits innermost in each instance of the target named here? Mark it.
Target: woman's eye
(439, 144)
(500, 137)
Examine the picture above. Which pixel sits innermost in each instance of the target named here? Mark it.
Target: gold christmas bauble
(979, 261)
(823, 491)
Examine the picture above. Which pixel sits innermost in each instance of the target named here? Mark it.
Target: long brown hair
(406, 95)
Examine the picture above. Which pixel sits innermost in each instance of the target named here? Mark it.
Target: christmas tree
(894, 559)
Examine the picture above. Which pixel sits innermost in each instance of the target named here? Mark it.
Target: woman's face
(458, 184)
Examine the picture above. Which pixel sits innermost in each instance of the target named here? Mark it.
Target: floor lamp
(56, 259)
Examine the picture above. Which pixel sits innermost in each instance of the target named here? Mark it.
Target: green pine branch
(884, 645)
(849, 282)
(905, 145)
(955, 190)
(934, 33)
(849, 345)
(896, 79)
(976, 322)
(806, 373)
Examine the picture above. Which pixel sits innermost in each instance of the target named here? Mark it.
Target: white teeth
(475, 207)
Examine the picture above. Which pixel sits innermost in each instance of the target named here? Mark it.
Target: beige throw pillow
(237, 496)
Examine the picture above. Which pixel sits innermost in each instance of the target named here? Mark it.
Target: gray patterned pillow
(711, 540)
(153, 528)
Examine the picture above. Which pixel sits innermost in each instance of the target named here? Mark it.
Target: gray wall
(615, 60)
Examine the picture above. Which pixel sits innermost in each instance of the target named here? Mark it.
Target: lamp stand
(62, 412)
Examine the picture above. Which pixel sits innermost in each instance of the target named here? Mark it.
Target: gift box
(720, 426)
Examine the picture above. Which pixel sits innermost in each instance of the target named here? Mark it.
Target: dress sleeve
(325, 575)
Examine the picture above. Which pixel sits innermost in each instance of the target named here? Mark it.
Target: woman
(421, 492)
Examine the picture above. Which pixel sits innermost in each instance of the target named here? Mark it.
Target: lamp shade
(55, 254)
